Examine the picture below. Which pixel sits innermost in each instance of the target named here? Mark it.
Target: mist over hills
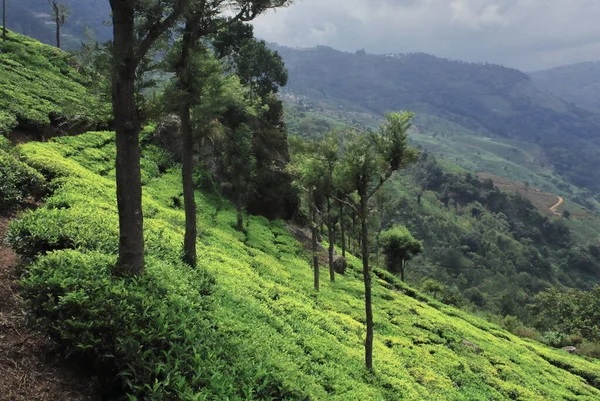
(486, 99)
(576, 83)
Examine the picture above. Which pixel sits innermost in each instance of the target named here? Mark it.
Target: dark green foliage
(399, 246)
(573, 312)
(17, 180)
(493, 248)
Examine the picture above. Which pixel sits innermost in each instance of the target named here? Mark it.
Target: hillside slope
(577, 83)
(259, 332)
(480, 99)
(41, 91)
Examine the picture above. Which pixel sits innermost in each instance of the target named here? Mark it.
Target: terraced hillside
(41, 90)
(246, 323)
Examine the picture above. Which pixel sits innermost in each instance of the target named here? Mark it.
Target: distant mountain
(577, 83)
(486, 99)
(33, 18)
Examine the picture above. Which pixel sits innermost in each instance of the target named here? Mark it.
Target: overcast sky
(526, 34)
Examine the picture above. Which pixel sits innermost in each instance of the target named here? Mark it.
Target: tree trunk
(4, 20)
(187, 170)
(127, 127)
(240, 216)
(367, 279)
(343, 230)
(57, 30)
(313, 226)
(377, 248)
(403, 265)
(402, 270)
(331, 239)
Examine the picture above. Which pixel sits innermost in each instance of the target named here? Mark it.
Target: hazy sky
(526, 34)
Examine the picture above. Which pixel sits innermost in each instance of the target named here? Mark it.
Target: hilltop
(576, 83)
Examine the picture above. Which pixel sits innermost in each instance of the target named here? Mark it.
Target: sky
(526, 34)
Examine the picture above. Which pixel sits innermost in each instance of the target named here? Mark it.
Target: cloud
(527, 34)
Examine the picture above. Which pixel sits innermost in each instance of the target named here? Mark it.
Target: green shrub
(153, 331)
(245, 324)
(17, 181)
(39, 86)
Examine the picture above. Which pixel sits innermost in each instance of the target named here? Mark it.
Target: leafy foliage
(39, 86)
(244, 325)
(17, 181)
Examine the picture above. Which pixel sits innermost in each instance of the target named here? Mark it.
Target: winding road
(553, 208)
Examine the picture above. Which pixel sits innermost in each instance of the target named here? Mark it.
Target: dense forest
(186, 230)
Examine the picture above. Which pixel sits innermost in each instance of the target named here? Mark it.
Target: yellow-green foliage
(262, 333)
(38, 84)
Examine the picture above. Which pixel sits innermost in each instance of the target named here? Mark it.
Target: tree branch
(382, 181)
(347, 203)
(158, 29)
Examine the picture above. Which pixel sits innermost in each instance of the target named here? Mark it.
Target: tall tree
(203, 18)
(370, 160)
(60, 13)
(327, 152)
(137, 25)
(308, 172)
(399, 246)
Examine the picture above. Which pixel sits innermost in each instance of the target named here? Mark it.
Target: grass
(246, 324)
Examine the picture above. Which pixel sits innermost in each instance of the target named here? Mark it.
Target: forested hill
(486, 99)
(577, 83)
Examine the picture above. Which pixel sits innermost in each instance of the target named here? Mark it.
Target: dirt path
(555, 207)
(31, 368)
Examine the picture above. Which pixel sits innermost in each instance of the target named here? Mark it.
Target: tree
(326, 153)
(307, 170)
(60, 13)
(202, 18)
(399, 246)
(136, 27)
(370, 160)
(237, 157)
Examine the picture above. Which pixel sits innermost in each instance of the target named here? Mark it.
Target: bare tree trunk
(4, 20)
(127, 127)
(402, 270)
(331, 239)
(240, 216)
(187, 171)
(57, 30)
(343, 230)
(367, 279)
(313, 226)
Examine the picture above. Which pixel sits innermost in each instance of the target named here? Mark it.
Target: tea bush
(39, 86)
(246, 324)
(18, 181)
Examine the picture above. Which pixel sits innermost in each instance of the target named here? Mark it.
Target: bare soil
(31, 366)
